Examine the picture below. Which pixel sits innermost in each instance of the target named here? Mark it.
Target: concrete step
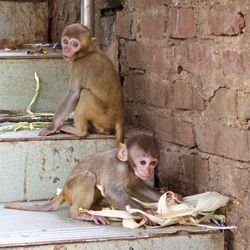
(55, 230)
(17, 82)
(33, 167)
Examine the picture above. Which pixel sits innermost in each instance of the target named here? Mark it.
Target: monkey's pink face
(144, 163)
(70, 47)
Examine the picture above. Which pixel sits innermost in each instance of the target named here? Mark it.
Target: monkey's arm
(141, 189)
(119, 199)
(64, 110)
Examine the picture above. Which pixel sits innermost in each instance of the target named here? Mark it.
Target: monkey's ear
(122, 152)
(92, 45)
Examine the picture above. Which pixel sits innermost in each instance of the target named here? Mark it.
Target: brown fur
(95, 93)
(117, 178)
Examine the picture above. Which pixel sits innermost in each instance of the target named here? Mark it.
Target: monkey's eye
(75, 44)
(153, 163)
(65, 41)
(142, 162)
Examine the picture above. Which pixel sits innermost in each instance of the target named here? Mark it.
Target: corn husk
(28, 110)
(24, 126)
(193, 210)
(206, 202)
(29, 125)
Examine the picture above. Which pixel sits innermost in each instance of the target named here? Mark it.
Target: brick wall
(186, 76)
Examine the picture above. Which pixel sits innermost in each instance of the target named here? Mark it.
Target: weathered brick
(63, 13)
(246, 13)
(222, 105)
(25, 21)
(197, 56)
(232, 64)
(146, 118)
(159, 61)
(152, 24)
(124, 25)
(221, 140)
(138, 55)
(243, 106)
(226, 20)
(169, 171)
(147, 3)
(196, 173)
(187, 97)
(147, 57)
(246, 63)
(181, 23)
(235, 182)
(175, 131)
(134, 87)
(158, 93)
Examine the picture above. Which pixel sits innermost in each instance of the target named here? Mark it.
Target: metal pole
(88, 13)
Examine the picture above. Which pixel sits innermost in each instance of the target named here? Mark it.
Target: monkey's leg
(83, 196)
(88, 108)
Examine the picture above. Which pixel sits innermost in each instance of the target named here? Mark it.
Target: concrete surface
(55, 230)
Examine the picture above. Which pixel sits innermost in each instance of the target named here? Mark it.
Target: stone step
(55, 230)
(33, 167)
(18, 85)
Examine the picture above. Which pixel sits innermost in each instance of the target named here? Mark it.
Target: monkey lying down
(119, 171)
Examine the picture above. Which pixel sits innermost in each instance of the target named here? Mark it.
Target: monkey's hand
(147, 220)
(97, 219)
(48, 131)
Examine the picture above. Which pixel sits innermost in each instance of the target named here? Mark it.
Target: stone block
(152, 24)
(186, 97)
(197, 56)
(175, 131)
(224, 141)
(137, 55)
(226, 20)
(134, 88)
(196, 173)
(169, 170)
(243, 106)
(181, 23)
(158, 93)
(232, 64)
(222, 105)
(24, 21)
(160, 61)
(124, 25)
(147, 3)
(229, 178)
(63, 13)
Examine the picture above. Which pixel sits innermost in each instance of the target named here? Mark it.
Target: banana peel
(192, 210)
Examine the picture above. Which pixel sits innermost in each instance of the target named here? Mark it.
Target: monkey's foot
(73, 131)
(98, 220)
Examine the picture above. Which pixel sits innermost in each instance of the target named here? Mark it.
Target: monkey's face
(143, 163)
(70, 47)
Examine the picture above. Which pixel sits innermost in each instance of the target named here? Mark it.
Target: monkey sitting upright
(95, 93)
(119, 171)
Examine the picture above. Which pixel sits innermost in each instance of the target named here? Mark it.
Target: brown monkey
(95, 93)
(119, 171)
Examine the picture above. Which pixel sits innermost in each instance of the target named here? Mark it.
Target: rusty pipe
(88, 13)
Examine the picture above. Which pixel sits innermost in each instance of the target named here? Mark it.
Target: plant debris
(197, 210)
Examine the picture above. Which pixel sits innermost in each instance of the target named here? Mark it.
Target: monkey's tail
(119, 132)
(49, 206)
